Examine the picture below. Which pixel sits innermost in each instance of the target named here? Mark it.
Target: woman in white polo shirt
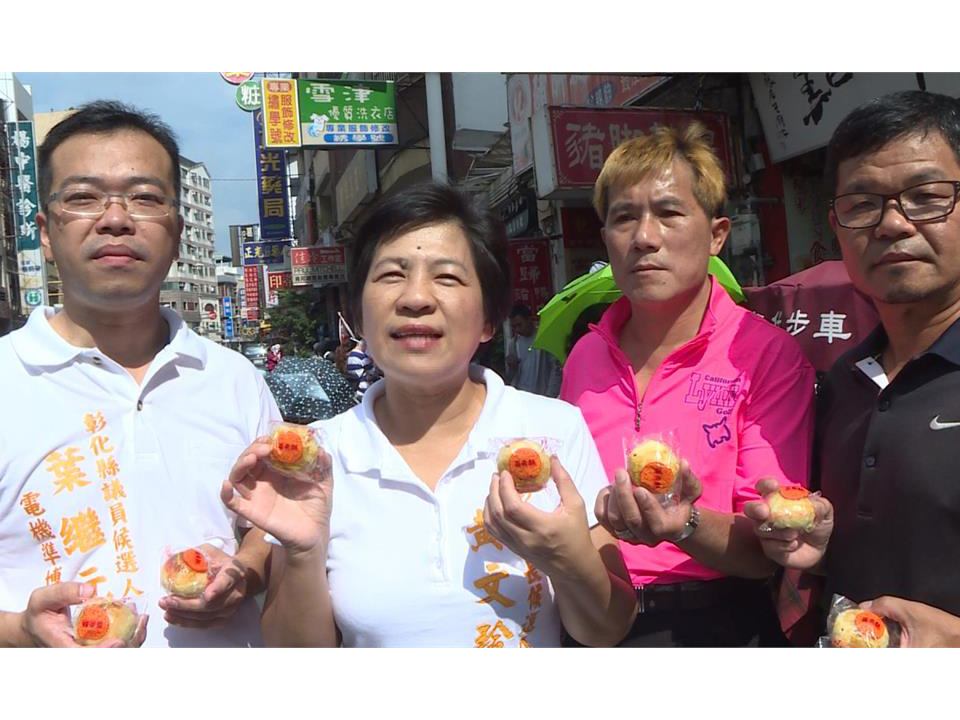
(414, 539)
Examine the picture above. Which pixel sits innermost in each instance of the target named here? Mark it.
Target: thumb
(59, 596)
(568, 491)
(690, 487)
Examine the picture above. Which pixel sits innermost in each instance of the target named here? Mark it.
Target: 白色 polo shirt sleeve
(268, 411)
(582, 461)
(776, 427)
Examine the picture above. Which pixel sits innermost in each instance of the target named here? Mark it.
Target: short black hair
(520, 310)
(430, 204)
(875, 123)
(101, 117)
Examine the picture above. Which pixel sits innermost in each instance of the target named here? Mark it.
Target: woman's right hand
(294, 511)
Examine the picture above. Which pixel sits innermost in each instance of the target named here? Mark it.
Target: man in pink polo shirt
(676, 355)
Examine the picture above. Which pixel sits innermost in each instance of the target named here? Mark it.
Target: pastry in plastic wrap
(101, 619)
(295, 449)
(186, 573)
(791, 509)
(527, 463)
(653, 465)
(856, 628)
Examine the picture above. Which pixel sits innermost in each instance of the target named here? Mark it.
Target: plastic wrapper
(790, 509)
(849, 626)
(295, 450)
(526, 459)
(99, 620)
(186, 573)
(652, 462)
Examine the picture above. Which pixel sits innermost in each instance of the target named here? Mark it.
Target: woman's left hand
(550, 541)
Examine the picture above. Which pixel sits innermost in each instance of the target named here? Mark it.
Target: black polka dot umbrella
(308, 389)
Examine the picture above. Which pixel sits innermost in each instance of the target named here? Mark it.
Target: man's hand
(636, 516)
(549, 541)
(791, 548)
(220, 600)
(921, 625)
(46, 621)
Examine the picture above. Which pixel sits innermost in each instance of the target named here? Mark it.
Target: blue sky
(201, 109)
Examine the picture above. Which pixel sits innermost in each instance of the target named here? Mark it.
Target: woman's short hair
(638, 157)
(432, 204)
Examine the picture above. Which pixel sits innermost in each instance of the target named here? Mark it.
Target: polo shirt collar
(371, 452)
(39, 345)
(946, 346)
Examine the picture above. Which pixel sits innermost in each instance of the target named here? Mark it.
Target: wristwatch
(692, 523)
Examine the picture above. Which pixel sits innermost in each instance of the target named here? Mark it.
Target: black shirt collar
(946, 346)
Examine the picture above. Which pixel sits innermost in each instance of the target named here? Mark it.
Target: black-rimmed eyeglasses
(918, 203)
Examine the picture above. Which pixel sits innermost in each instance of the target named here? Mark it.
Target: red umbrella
(821, 309)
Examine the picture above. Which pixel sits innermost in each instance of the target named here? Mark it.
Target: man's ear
(719, 232)
(42, 225)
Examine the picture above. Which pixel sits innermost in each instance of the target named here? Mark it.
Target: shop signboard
(21, 149)
(251, 292)
(227, 307)
(277, 281)
(281, 127)
(572, 144)
(249, 95)
(800, 111)
(345, 113)
(528, 93)
(271, 186)
(236, 78)
(268, 252)
(530, 278)
(318, 266)
(228, 328)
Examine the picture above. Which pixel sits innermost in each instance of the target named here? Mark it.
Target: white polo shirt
(99, 474)
(410, 567)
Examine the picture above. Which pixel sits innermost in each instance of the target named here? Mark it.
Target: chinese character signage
(24, 193)
(530, 272)
(249, 95)
(318, 265)
(527, 94)
(800, 111)
(251, 292)
(227, 307)
(576, 141)
(344, 113)
(281, 125)
(235, 78)
(277, 281)
(820, 308)
(272, 186)
(264, 253)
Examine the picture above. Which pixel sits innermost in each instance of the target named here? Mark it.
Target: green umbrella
(598, 287)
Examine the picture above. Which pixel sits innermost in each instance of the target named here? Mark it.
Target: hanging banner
(21, 150)
(251, 293)
(530, 272)
(271, 186)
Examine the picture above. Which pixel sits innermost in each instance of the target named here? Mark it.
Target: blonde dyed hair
(638, 157)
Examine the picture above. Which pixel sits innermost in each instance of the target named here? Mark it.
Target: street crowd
(127, 437)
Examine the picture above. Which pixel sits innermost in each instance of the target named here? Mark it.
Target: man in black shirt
(888, 421)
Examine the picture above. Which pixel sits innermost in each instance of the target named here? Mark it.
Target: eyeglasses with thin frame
(92, 203)
(918, 203)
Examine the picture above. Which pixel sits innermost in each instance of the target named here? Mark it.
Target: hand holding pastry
(206, 586)
(787, 545)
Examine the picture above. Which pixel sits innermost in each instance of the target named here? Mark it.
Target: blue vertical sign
(271, 186)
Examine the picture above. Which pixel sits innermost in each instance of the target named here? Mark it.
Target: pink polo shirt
(738, 398)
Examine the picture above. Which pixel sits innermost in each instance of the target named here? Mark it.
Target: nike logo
(935, 424)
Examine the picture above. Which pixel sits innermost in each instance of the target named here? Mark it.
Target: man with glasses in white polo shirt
(888, 415)
(119, 422)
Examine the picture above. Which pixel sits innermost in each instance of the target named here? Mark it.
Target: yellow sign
(281, 124)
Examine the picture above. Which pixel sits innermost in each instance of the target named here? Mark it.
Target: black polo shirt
(889, 461)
